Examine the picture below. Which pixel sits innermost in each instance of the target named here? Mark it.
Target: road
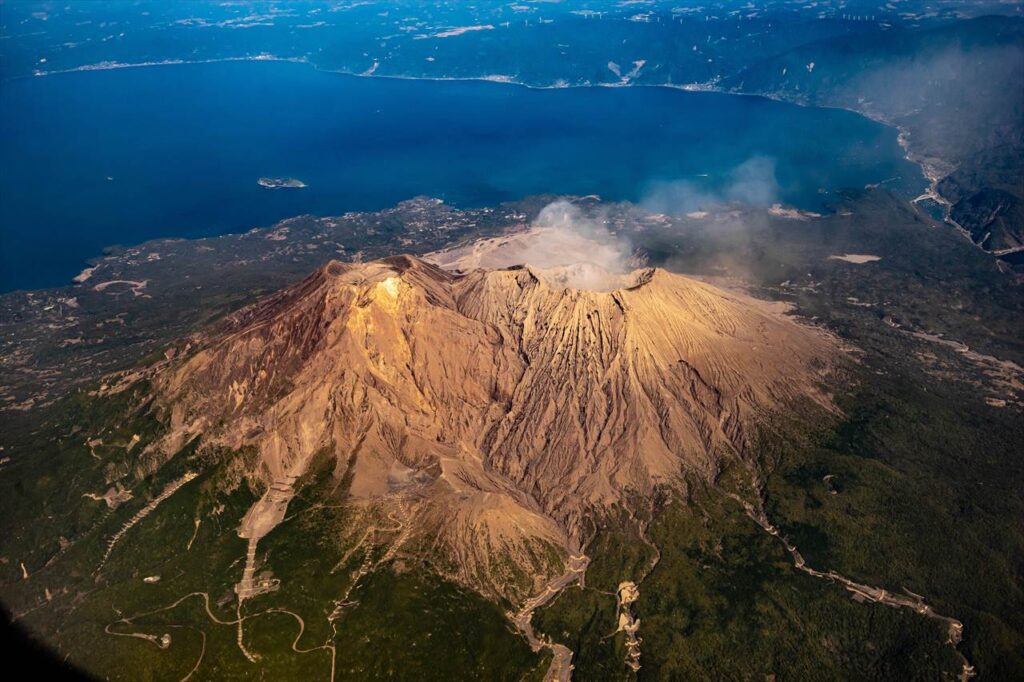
(164, 641)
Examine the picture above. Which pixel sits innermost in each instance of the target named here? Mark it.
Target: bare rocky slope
(491, 411)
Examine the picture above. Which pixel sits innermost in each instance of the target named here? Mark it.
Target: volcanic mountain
(491, 411)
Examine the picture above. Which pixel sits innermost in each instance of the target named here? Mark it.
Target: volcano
(494, 410)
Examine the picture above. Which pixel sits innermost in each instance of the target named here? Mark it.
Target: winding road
(164, 641)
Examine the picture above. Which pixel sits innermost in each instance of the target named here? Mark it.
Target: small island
(281, 183)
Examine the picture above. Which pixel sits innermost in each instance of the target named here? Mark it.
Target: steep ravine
(860, 591)
(560, 669)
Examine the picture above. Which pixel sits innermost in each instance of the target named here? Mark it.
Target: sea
(98, 158)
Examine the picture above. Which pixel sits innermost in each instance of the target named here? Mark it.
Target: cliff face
(496, 408)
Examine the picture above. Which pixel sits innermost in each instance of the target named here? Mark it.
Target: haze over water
(97, 158)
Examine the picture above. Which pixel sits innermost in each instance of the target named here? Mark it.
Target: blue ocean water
(97, 158)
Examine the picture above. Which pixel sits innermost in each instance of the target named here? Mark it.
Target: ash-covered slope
(494, 410)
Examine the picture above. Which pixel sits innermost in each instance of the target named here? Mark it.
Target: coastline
(928, 172)
(903, 135)
(929, 169)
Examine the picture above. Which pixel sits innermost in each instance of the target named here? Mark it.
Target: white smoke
(575, 250)
(568, 237)
(753, 183)
(564, 245)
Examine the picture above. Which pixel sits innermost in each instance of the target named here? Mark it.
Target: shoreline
(928, 173)
(902, 134)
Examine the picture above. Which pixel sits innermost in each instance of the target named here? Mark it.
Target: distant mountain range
(955, 89)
